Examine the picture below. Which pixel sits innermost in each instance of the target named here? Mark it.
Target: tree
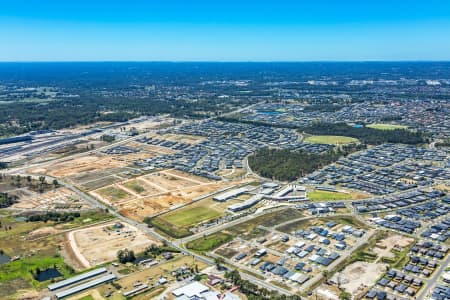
(18, 180)
(219, 261)
(345, 296)
(55, 183)
(326, 274)
(42, 179)
(197, 277)
(125, 256)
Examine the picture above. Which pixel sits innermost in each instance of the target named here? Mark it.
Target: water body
(48, 274)
(4, 259)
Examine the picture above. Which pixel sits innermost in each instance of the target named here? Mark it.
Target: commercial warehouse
(85, 286)
(75, 279)
(231, 194)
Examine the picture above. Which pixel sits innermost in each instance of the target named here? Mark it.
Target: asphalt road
(434, 279)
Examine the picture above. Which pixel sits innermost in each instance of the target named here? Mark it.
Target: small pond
(48, 274)
(4, 259)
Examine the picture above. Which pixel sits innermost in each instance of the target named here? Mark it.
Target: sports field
(191, 215)
(326, 195)
(178, 222)
(330, 139)
(381, 126)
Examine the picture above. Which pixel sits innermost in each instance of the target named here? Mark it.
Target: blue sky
(226, 30)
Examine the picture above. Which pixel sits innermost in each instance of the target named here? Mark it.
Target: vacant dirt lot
(360, 274)
(154, 193)
(383, 248)
(99, 244)
(79, 165)
(144, 207)
(61, 198)
(181, 138)
(167, 181)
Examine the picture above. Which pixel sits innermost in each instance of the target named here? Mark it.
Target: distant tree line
(21, 117)
(289, 165)
(323, 107)
(367, 135)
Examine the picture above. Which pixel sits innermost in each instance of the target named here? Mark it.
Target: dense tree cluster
(125, 256)
(367, 135)
(325, 107)
(19, 117)
(153, 250)
(108, 138)
(253, 291)
(54, 216)
(289, 165)
(7, 200)
(443, 143)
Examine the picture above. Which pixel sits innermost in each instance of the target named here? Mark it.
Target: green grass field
(22, 268)
(381, 126)
(113, 193)
(177, 223)
(191, 215)
(326, 195)
(209, 242)
(135, 186)
(330, 139)
(88, 297)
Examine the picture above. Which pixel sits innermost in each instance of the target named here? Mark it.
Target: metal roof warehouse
(85, 286)
(75, 279)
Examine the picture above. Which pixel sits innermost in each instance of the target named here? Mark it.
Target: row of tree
(154, 250)
(253, 291)
(54, 216)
